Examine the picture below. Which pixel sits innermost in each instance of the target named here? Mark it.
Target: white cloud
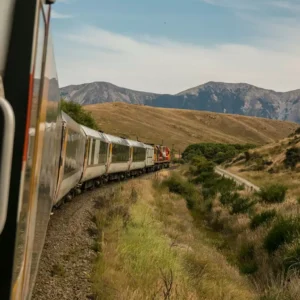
(56, 15)
(165, 66)
(291, 6)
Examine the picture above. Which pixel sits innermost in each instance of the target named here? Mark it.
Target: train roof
(71, 123)
(94, 133)
(136, 143)
(115, 139)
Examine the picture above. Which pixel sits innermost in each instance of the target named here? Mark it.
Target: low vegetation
(217, 153)
(261, 229)
(273, 193)
(149, 246)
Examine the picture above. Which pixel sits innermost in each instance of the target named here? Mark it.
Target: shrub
(201, 165)
(241, 205)
(283, 231)
(292, 157)
(76, 112)
(204, 176)
(262, 218)
(292, 257)
(228, 197)
(177, 185)
(224, 184)
(208, 193)
(178, 161)
(274, 193)
(246, 257)
(215, 152)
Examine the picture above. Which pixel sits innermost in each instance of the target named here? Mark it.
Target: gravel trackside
(67, 259)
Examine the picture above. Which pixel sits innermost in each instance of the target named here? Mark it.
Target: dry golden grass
(160, 238)
(185, 127)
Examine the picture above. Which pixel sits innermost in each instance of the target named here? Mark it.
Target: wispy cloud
(290, 5)
(56, 15)
(166, 66)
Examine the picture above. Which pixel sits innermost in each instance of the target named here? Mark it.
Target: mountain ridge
(221, 97)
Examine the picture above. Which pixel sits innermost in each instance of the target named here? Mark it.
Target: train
(46, 157)
(89, 158)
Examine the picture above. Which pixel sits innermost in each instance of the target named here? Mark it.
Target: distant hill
(184, 127)
(235, 98)
(100, 92)
(232, 98)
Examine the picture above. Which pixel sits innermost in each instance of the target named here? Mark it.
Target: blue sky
(167, 46)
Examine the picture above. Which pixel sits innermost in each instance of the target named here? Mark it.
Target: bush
(224, 184)
(274, 193)
(228, 197)
(77, 113)
(178, 161)
(292, 157)
(262, 218)
(241, 205)
(218, 153)
(201, 165)
(292, 257)
(283, 231)
(246, 256)
(179, 186)
(204, 176)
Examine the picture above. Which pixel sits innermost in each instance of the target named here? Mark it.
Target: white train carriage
(72, 159)
(118, 158)
(137, 157)
(150, 161)
(95, 161)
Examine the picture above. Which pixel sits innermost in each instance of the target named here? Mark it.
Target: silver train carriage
(72, 158)
(96, 157)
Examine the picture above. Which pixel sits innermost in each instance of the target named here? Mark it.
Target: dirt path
(249, 185)
(67, 258)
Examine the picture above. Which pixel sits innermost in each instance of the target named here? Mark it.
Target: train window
(93, 145)
(73, 144)
(139, 154)
(120, 153)
(96, 156)
(103, 153)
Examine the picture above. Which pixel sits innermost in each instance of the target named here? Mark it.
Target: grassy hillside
(268, 164)
(184, 127)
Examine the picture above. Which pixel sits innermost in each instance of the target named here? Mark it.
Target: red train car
(162, 156)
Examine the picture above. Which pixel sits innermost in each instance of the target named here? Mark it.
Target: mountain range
(232, 98)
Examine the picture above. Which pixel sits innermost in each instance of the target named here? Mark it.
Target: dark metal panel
(16, 85)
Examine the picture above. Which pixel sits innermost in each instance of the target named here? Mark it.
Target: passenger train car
(46, 157)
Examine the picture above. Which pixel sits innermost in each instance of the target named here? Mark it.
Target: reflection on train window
(103, 153)
(71, 158)
(120, 153)
(139, 154)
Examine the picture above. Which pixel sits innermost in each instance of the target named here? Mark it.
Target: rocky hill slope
(100, 92)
